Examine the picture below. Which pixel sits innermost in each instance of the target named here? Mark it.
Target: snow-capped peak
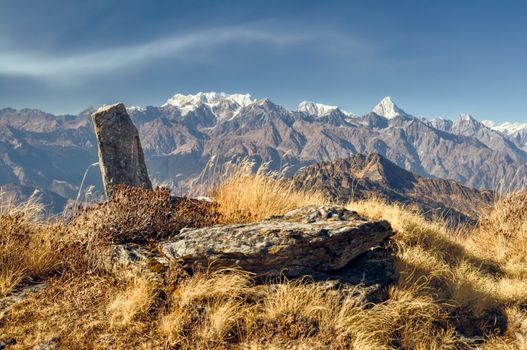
(466, 117)
(387, 108)
(210, 98)
(442, 123)
(221, 104)
(489, 123)
(241, 99)
(319, 109)
(511, 128)
(263, 101)
(136, 109)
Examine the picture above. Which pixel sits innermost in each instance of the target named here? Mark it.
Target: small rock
(136, 257)
(17, 296)
(314, 213)
(51, 344)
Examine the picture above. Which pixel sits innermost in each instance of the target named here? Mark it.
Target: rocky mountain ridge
(192, 139)
(373, 176)
(515, 131)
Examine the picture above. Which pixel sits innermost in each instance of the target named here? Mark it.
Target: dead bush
(138, 214)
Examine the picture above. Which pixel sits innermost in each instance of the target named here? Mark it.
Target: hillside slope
(362, 177)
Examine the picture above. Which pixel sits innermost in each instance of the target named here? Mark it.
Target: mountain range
(373, 176)
(191, 139)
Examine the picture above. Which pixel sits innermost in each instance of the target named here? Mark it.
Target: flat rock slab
(307, 241)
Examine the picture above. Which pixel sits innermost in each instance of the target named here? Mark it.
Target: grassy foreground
(473, 280)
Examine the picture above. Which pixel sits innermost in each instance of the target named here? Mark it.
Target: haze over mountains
(191, 139)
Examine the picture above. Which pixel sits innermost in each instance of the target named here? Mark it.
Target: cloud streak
(184, 47)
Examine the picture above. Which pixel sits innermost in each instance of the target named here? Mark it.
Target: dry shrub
(132, 215)
(138, 214)
(249, 197)
(29, 246)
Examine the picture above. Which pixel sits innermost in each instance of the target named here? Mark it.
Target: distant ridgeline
(372, 176)
(192, 140)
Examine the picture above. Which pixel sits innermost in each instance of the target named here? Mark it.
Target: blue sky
(435, 58)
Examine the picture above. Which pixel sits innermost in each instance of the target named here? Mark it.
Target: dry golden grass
(471, 281)
(206, 310)
(477, 275)
(91, 313)
(249, 197)
(504, 231)
(76, 313)
(132, 302)
(29, 247)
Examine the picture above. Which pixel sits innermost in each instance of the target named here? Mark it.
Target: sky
(434, 58)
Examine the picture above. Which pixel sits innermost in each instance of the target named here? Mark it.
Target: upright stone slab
(121, 156)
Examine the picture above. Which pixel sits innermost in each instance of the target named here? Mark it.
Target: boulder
(121, 158)
(315, 240)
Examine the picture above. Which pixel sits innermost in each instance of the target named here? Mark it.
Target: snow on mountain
(466, 125)
(387, 108)
(227, 106)
(214, 100)
(180, 100)
(465, 117)
(489, 123)
(507, 128)
(516, 131)
(136, 109)
(320, 110)
(443, 124)
(511, 128)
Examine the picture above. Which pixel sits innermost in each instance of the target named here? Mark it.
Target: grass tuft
(247, 197)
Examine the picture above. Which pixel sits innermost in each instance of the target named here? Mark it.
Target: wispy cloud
(185, 47)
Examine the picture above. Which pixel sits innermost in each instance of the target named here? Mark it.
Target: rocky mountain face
(40, 151)
(263, 133)
(191, 140)
(517, 132)
(466, 125)
(361, 176)
(321, 110)
(17, 193)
